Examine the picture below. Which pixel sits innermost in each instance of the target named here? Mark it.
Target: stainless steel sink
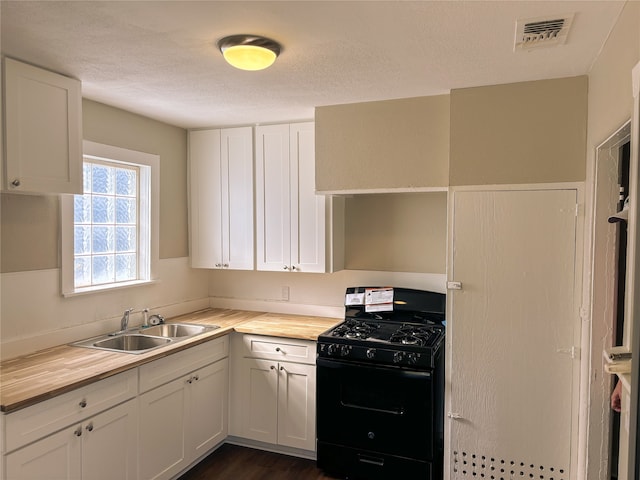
(176, 330)
(143, 340)
(133, 342)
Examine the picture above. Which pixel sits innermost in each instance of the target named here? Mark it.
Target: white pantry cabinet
(43, 130)
(513, 334)
(221, 190)
(294, 226)
(273, 399)
(185, 417)
(76, 435)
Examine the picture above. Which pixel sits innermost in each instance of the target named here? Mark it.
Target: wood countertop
(32, 378)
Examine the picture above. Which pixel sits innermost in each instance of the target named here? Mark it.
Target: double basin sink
(145, 339)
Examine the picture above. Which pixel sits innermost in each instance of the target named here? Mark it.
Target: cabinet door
(43, 127)
(307, 208)
(56, 456)
(205, 178)
(237, 198)
(511, 331)
(208, 407)
(297, 405)
(260, 400)
(110, 444)
(162, 428)
(273, 201)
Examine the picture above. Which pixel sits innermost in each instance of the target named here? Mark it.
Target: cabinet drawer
(168, 368)
(37, 421)
(276, 348)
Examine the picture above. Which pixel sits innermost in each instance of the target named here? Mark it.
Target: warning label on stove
(378, 299)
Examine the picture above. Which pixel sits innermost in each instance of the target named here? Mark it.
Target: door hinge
(454, 285)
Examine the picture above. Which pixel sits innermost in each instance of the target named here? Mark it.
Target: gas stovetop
(383, 342)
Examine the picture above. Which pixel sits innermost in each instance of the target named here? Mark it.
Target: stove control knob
(397, 357)
(371, 352)
(332, 349)
(413, 357)
(344, 350)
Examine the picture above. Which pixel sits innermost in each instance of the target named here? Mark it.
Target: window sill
(107, 288)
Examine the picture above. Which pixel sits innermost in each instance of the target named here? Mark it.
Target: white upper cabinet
(221, 207)
(292, 222)
(43, 131)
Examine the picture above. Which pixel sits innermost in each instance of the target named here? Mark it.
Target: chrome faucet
(124, 322)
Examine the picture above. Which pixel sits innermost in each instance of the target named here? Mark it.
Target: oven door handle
(396, 411)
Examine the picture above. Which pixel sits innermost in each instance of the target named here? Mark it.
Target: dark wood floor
(231, 462)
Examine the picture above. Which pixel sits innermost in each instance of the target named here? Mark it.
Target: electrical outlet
(285, 293)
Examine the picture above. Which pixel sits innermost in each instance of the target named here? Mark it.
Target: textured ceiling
(158, 58)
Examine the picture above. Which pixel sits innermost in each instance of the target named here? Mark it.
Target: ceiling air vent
(542, 32)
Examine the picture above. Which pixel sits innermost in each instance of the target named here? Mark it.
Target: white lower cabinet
(101, 446)
(183, 419)
(273, 401)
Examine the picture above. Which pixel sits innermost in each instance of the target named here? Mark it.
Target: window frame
(148, 221)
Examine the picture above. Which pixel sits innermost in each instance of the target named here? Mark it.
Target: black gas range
(380, 386)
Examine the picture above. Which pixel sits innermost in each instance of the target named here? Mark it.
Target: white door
(260, 397)
(56, 456)
(511, 329)
(110, 444)
(208, 408)
(297, 405)
(307, 208)
(273, 200)
(162, 430)
(205, 178)
(237, 198)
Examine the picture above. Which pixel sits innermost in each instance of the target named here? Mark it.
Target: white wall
(34, 315)
(309, 293)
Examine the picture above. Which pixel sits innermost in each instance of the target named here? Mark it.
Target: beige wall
(387, 144)
(519, 133)
(30, 227)
(397, 232)
(112, 126)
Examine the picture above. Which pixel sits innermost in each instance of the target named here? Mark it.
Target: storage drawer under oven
(363, 465)
(377, 409)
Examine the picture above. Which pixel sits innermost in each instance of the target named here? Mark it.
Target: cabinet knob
(226, 265)
(218, 265)
(281, 368)
(286, 267)
(293, 267)
(83, 403)
(196, 378)
(278, 349)
(190, 380)
(272, 367)
(15, 183)
(78, 432)
(89, 427)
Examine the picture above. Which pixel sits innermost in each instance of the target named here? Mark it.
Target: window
(108, 238)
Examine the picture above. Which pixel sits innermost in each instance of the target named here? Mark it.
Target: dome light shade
(249, 52)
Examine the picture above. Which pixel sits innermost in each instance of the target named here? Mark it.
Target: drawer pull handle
(89, 427)
(371, 460)
(83, 403)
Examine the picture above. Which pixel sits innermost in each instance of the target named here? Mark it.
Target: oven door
(377, 409)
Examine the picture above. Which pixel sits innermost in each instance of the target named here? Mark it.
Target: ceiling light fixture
(249, 52)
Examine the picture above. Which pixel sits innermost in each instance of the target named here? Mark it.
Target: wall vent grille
(542, 32)
(479, 466)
